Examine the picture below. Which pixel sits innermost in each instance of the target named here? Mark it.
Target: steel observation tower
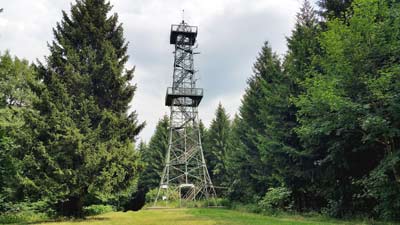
(185, 170)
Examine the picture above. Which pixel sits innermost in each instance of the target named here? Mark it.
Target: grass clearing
(199, 216)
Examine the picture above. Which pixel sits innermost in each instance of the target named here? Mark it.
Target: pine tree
(300, 63)
(217, 146)
(238, 169)
(154, 156)
(331, 9)
(252, 129)
(203, 131)
(276, 143)
(142, 146)
(303, 47)
(85, 135)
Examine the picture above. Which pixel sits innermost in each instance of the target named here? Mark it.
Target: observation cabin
(187, 34)
(183, 37)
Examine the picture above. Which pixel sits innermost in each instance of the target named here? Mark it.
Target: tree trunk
(396, 174)
(73, 207)
(391, 148)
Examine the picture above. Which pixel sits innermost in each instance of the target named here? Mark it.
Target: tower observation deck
(185, 172)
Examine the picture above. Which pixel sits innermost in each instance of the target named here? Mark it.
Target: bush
(152, 194)
(22, 217)
(97, 210)
(380, 186)
(275, 200)
(225, 202)
(203, 203)
(249, 207)
(333, 208)
(25, 212)
(174, 200)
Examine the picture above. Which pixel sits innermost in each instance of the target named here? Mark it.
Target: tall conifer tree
(331, 9)
(86, 136)
(217, 146)
(303, 47)
(154, 158)
(251, 128)
(299, 64)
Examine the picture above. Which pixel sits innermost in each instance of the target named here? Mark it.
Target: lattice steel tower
(185, 170)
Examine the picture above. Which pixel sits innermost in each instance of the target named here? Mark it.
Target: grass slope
(196, 216)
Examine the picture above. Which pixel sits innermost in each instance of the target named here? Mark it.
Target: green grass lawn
(198, 216)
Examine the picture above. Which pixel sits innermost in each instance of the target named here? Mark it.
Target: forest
(318, 130)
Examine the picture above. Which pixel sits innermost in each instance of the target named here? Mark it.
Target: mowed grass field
(198, 216)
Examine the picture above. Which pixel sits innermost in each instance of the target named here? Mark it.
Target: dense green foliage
(317, 130)
(93, 210)
(303, 47)
(216, 145)
(263, 157)
(76, 146)
(25, 212)
(324, 123)
(153, 156)
(85, 146)
(331, 9)
(17, 82)
(276, 199)
(348, 114)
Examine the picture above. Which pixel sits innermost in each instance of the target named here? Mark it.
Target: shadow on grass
(89, 219)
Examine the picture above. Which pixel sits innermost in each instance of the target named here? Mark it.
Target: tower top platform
(183, 34)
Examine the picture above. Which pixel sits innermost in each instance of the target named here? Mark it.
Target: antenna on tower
(183, 16)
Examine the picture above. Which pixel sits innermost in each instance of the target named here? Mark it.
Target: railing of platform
(180, 28)
(185, 91)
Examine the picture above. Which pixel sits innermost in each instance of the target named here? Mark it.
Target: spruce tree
(154, 156)
(303, 47)
(85, 136)
(331, 9)
(142, 146)
(275, 140)
(217, 147)
(251, 128)
(239, 188)
(300, 64)
(203, 131)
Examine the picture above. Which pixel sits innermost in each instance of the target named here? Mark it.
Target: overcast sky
(231, 33)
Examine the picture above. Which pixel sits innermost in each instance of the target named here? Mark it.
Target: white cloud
(3, 22)
(231, 32)
(231, 103)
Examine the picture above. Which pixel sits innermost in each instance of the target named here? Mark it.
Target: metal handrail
(184, 91)
(180, 28)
